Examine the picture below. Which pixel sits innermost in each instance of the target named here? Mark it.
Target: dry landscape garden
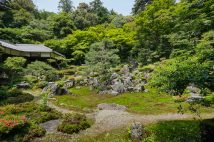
(90, 74)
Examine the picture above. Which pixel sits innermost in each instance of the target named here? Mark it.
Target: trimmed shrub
(34, 131)
(15, 96)
(73, 123)
(26, 97)
(174, 75)
(10, 122)
(41, 70)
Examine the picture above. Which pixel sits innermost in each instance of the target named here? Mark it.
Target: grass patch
(165, 131)
(151, 102)
(145, 103)
(117, 135)
(174, 131)
(83, 99)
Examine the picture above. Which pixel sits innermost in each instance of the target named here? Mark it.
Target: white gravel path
(107, 120)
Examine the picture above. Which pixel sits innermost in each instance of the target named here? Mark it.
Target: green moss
(152, 102)
(147, 103)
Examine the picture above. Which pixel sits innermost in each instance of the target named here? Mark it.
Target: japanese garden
(87, 73)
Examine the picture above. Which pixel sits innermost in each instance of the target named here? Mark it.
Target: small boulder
(192, 99)
(104, 92)
(69, 84)
(23, 85)
(136, 132)
(139, 88)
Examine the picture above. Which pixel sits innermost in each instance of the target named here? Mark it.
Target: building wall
(27, 54)
(47, 55)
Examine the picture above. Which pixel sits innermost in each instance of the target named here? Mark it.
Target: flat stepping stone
(51, 126)
(113, 106)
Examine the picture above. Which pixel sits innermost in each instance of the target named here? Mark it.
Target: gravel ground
(107, 120)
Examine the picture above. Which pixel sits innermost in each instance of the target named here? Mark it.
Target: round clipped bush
(73, 123)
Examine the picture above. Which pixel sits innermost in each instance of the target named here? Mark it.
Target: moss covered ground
(152, 102)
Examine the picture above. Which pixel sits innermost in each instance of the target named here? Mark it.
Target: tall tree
(139, 6)
(14, 65)
(102, 12)
(4, 5)
(28, 5)
(61, 24)
(100, 59)
(154, 24)
(65, 6)
(83, 17)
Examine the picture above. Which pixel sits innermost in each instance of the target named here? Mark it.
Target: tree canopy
(159, 31)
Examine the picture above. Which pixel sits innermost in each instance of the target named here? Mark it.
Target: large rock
(193, 89)
(23, 85)
(105, 106)
(194, 94)
(118, 87)
(54, 89)
(51, 126)
(136, 132)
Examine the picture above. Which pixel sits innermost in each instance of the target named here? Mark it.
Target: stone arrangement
(123, 81)
(54, 89)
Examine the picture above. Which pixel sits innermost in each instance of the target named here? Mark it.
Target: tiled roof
(26, 47)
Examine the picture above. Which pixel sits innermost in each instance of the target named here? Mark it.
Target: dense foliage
(177, 35)
(41, 70)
